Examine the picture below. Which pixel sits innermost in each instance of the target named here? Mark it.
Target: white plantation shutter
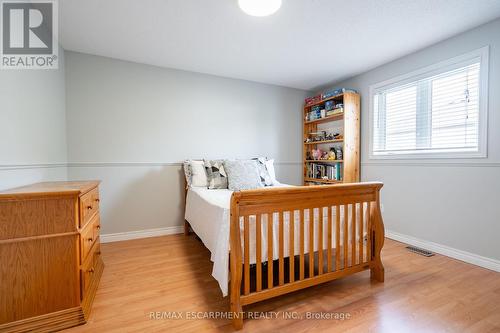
(437, 113)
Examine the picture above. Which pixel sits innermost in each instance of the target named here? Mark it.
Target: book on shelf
(324, 171)
(330, 113)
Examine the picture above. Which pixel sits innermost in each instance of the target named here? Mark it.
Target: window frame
(481, 54)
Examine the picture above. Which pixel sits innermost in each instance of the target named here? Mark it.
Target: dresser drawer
(88, 237)
(96, 227)
(89, 268)
(89, 205)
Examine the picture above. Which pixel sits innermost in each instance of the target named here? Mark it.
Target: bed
(282, 238)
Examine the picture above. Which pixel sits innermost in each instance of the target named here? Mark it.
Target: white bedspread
(207, 211)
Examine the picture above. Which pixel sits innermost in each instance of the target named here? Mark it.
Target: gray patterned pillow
(216, 175)
(242, 174)
(265, 177)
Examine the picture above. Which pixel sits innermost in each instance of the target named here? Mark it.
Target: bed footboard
(321, 233)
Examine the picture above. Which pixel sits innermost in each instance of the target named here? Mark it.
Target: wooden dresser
(50, 255)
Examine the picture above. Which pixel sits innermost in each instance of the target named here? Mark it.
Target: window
(437, 112)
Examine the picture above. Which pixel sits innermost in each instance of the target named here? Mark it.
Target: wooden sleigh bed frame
(358, 239)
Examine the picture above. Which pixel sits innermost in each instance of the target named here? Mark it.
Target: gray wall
(130, 125)
(450, 202)
(32, 126)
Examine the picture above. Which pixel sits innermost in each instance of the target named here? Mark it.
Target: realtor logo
(28, 34)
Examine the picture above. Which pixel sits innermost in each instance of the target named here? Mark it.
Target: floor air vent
(420, 251)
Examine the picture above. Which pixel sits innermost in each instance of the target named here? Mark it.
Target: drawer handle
(91, 270)
(89, 207)
(90, 240)
(97, 200)
(98, 227)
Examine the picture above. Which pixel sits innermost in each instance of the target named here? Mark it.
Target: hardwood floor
(173, 274)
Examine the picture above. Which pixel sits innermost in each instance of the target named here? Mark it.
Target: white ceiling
(306, 44)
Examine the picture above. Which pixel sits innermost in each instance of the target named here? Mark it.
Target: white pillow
(272, 173)
(198, 174)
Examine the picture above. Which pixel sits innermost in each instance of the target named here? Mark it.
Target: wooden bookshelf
(348, 122)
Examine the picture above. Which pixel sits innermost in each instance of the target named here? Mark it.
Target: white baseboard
(121, 236)
(467, 257)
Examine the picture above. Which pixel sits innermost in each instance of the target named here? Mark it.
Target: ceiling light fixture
(260, 7)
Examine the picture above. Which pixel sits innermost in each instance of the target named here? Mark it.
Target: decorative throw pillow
(242, 174)
(272, 173)
(186, 166)
(216, 175)
(196, 175)
(265, 177)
